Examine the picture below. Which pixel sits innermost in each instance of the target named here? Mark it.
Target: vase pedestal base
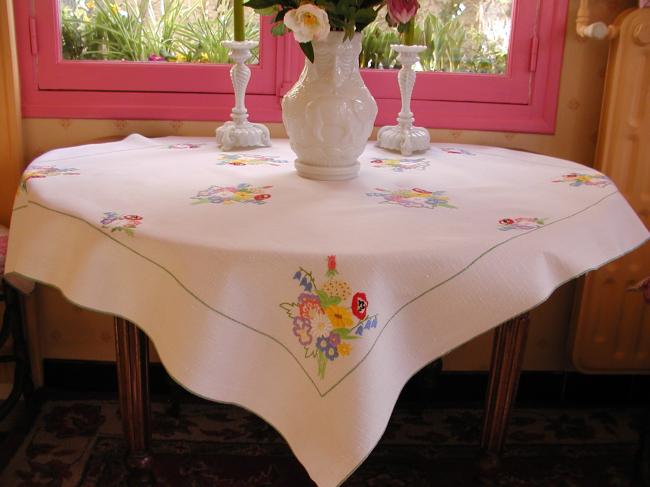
(327, 173)
(404, 140)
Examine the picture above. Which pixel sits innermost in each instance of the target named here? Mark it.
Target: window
(500, 72)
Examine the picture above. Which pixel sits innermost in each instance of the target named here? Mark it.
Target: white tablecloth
(311, 303)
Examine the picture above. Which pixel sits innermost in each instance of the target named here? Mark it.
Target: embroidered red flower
(132, 217)
(260, 197)
(359, 305)
(506, 221)
(331, 266)
(422, 191)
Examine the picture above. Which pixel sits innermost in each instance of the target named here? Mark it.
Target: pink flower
(156, 57)
(401, 11)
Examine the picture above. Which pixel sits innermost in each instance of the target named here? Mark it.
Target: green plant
(134, 31)
(202, 37)
(451, 46)
(375, 47)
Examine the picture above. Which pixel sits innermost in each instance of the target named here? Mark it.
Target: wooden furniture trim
(508, 350)
(132, 357)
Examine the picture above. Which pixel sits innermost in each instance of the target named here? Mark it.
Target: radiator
(611, 325)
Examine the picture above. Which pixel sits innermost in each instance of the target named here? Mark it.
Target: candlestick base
(404, 140)
(240, 132)
(404, 137)
(232, 135)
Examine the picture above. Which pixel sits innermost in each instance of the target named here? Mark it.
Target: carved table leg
(132, 351)
(507, 356)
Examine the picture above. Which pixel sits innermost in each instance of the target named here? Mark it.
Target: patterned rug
(78, 443)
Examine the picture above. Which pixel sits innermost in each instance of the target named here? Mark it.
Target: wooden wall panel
(11, 146)
(612, 330)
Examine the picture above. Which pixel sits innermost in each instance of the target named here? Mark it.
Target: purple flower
(334, 339)
(322, 343)
(331, 353)
(325, 345)
(302, 329)
(156, 58)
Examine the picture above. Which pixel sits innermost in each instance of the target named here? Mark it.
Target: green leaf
(365, 16)
(326, 300)
(278, 29)
(342, 332)
(268, 11)
(260, 4)
(308, 49)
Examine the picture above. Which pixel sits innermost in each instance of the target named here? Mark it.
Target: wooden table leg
(507, 356)
(132, 352)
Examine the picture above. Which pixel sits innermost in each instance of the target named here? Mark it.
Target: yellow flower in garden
(344, 349)
(339, 317)
(90, 4)
(114, 8)
(204, 57)
(180, 58)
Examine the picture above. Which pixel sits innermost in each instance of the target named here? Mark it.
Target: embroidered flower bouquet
(329, 113)
(327, 317)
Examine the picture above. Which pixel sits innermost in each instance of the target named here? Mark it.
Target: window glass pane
(461, 36)
(151, 30)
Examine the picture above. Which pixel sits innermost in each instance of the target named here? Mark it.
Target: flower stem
(238, 13)
(409, 33)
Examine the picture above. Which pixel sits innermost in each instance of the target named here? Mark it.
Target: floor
(70, 436)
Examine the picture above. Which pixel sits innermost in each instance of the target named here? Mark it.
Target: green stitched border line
(388, 322)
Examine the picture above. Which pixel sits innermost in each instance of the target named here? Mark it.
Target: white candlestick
(405, 137)
(240, 132)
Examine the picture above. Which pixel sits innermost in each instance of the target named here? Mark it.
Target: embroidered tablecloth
(311, 303)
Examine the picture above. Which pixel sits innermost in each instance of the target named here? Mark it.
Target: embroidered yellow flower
(339, 317)
(337, 288)
(344, 349)
(243, 196)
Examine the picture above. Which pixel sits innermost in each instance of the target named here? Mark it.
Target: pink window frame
(522, 100)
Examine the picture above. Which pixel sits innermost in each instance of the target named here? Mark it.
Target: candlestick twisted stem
(405, 137)
(240, 132)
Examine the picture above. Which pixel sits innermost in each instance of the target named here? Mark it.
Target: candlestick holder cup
(404, 137)
(240, 132)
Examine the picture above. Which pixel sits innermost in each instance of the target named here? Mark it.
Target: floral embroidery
(242, 193)
(249, 160)
(401, 165)
(457, 150)
(414, 198)
(325, 320)
(521, 223)
(121, 223)
(34, 172)
(184, 146)
(577, 179)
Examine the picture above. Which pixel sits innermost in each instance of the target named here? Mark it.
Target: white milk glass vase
(329, 113)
